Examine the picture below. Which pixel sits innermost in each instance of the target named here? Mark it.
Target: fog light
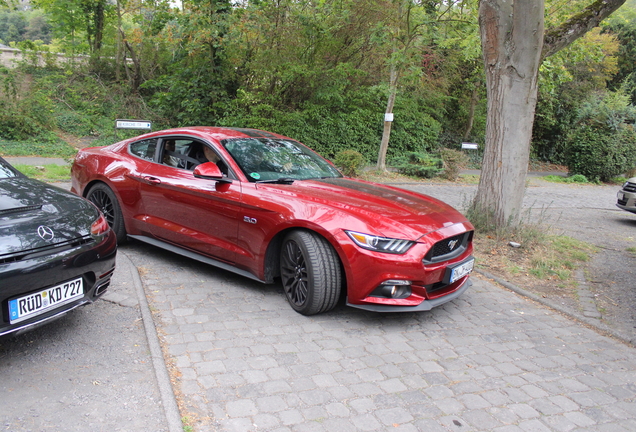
(396, 289)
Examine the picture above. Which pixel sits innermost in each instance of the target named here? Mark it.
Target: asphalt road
(91, 370)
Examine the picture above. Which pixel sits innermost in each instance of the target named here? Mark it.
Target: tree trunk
(386, 134)
(471, 110)
(118, 49)
(512, 42)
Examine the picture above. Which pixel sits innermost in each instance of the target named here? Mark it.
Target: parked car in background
(627, 196)
(267, 207)
(57, 252)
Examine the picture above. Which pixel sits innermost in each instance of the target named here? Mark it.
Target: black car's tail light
(100, 226)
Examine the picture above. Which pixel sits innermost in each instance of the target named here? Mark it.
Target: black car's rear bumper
(94, 262)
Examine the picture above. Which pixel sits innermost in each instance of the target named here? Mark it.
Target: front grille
(44, 251)
(448, 248)
(630, 187)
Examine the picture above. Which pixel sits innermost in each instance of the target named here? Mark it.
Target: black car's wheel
(310, 271)
(104, 198)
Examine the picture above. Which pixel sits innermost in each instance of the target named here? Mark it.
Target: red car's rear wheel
(104, 198)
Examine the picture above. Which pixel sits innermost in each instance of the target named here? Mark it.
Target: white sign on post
(470, 146)
(133, 124)
(388, 117)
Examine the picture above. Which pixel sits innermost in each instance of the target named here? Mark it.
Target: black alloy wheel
(104, 198)
(310, 272)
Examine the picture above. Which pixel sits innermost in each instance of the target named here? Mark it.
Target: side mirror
(210, 171)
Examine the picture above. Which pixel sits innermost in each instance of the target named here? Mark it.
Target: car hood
(26, 205)
(391, 212)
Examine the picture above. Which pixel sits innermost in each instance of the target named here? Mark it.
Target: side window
(144, 149)
(179, 153)
(187, 154)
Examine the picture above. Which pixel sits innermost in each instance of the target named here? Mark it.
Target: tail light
(100, 226)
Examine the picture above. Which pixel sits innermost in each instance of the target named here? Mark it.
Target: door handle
(152, 180)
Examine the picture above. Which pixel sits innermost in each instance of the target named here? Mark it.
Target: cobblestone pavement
(488, 361)
(491, 360)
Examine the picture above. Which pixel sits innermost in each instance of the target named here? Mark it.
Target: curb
(169, 402)
(595, 323)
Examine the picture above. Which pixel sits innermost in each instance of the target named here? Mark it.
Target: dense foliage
(22, 26)
(321, 72)
(602, 145)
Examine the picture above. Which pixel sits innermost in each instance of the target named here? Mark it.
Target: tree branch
(557, 38)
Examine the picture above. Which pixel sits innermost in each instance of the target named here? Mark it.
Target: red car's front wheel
(310, 272)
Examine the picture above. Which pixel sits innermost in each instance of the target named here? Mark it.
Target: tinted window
(144, 149)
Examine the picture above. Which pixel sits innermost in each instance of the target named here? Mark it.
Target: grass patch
(545, 263)
(46, 172)
(530, 254)
(378, 176)
(577, 178)
(39, 148)
(631, 249)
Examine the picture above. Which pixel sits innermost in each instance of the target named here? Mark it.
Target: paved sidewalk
(35, 160)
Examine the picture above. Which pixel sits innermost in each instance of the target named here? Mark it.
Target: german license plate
(461, 270)
(37, 303)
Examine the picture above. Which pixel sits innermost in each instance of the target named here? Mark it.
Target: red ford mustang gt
(266, 207)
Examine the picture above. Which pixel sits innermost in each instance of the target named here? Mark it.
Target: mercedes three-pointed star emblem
(46, 233)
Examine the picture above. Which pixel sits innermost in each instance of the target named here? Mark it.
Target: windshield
(266, 159)
(6, 171)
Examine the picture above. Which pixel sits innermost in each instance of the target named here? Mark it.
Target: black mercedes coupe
(57, 252)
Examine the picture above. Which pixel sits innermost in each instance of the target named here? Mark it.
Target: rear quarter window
(144, 149)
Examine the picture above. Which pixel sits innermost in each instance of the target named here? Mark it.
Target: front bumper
(419, 283)
(94, 262)
(426, 305)
(626, 200)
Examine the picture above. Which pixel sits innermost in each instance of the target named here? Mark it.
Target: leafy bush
(73, 123)
(352, 122)
(47, 146)
(600, 154)
(603, 143)
(453, 161)
(350, 162)
(418, 164)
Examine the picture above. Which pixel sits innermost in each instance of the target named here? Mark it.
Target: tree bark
(512, 42)
(559, 37)
(386, 134)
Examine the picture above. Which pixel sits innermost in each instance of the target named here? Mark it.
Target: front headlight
(380, 244)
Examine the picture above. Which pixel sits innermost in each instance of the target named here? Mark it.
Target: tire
(106, 201)
(310, 272)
